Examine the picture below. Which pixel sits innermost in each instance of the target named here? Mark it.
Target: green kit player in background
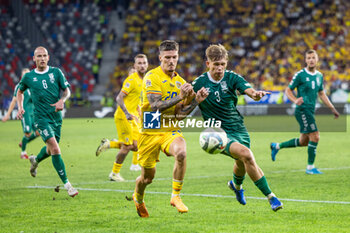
(45, 83)
(220, 105)
(27, 120)
(309, 84)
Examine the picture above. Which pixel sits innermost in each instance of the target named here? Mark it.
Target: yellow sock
(139, 197)
(114, 144)
(117, 167)
(134, 158)
(177, 186)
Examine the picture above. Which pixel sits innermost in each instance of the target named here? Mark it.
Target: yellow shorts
(150, 146)
(128, 131)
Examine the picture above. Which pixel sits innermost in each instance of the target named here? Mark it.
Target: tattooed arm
(120, 101)
(157, 103)
(182, 110)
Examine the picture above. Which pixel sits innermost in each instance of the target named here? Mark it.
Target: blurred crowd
(74, 32)
(266, 40)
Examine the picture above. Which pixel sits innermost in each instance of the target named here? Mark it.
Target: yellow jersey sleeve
(128, 85)
(152, 84)
(157, 82)
(132, 89)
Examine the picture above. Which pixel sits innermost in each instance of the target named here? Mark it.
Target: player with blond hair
(220, 105)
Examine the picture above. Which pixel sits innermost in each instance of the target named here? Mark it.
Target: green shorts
(28, 123)
(306, 120)
(241, 136)
(48, 129)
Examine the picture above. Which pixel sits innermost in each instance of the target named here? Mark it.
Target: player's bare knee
(244, 152)
(147, 180)
(248, 160)
(246, 156)
(303, 143)
(55, 150)
(180, 156)
(316, 138)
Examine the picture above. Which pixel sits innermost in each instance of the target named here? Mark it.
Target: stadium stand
(11, 53)
(266, 39)
(74, 32)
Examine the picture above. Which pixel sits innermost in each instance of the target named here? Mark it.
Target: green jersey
(308, 85)
(45, 90)
(222, 100)
(27, 100)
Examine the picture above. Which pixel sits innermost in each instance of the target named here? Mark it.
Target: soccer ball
(212, 140)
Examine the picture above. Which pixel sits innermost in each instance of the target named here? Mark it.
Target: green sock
(238, 180)
(291, 143)
(263, 186)
(42, 155)
(311, 151)
(24, 143)
(25, 140)
(60, 168)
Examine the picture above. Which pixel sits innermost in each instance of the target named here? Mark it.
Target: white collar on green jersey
(41, 72)
(213, 80)
(310, 73)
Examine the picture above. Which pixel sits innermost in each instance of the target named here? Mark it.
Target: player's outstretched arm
(60, 103)
(328, 103)
(9, 111)
(20, 104)
(157, 103)
(256, 95)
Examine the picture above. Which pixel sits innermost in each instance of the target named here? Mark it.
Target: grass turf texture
(101, 205)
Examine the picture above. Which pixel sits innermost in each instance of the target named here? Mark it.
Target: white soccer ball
(213, 140)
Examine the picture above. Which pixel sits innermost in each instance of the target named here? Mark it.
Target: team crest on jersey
(223, 85)
(127, 85)
(178, 84)
(52, 78)
(35, 79)
(307, 79)
(148, 83)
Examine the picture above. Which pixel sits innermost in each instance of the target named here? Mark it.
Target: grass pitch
(311, 203)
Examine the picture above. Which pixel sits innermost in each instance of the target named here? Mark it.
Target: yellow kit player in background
(127, 119)
(162, 92)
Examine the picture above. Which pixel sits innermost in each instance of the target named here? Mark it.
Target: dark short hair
(140, 55)
(168, 45)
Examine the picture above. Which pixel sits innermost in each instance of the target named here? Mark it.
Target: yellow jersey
(159, 83)
(132, 87)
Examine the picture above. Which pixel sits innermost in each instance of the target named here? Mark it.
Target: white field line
(205, 177)
(303, 170)
(194, 194)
